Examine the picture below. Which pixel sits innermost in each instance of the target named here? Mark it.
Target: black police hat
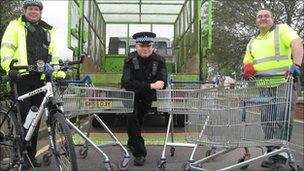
(144, 37)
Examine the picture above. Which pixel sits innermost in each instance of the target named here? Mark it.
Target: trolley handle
(268, 75)
(86, 79)
(188, 82)
(256, 76)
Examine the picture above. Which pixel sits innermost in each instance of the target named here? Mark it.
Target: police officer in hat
(144, 72)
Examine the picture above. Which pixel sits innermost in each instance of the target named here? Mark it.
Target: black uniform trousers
(134, 126)
(26, 84)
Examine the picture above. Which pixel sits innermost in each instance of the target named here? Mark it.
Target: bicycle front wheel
(65, 155)
(9, 147)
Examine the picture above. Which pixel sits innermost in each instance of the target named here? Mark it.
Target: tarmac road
(94, 161)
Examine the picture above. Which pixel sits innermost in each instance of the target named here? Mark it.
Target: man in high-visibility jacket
(277, 49)
(28, 39)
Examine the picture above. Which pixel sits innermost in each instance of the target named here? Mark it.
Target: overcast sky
(56, 14)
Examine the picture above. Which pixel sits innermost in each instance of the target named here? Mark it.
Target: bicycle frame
(51, 106)
(48, 88)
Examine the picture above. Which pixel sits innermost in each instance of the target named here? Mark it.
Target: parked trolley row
(254, 114)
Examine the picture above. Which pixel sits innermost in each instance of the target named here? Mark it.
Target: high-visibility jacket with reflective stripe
(271, 53)
(13, 45)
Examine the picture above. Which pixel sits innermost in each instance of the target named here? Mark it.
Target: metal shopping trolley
(81, 98)
(179, 98)
(254, 114)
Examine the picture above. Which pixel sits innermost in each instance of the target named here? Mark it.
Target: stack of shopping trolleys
(254, 113)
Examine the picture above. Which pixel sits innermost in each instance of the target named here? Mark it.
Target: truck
(102, 29)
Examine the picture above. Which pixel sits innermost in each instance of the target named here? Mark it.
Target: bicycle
(14, 138)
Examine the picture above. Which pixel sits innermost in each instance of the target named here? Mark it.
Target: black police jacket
(139, 73)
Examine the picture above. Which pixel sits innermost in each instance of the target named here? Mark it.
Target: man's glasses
(263, 16)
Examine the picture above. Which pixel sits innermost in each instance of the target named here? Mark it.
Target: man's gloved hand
(248, 70)
(294, 70)
(59, 74)
(48, 69)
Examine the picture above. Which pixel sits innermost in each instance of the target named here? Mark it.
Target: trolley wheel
(292, 168)
(109, 166)
(186, 166)
(83, 152)
(242, 160)
(46, 159)
(172, 150)
(161, 165)
(295, 168)
(210, 151)
(123, 166)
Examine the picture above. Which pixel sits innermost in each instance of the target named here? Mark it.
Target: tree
(234, 25)
(10, 9)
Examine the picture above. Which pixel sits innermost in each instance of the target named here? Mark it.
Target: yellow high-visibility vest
(13, 45)
(271, 53)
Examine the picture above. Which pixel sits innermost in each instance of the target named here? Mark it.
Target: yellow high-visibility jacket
(271, 53)
(13, 45)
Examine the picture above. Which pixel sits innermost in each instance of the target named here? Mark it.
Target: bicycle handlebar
(14, 74)
(63, 65)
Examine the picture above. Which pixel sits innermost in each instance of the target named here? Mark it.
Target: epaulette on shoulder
(45, 25)
(159, 57)
(130, 57)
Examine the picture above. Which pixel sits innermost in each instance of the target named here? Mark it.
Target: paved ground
(94, 161)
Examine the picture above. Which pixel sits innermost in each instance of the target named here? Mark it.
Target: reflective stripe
(270, 58)
(9, 45)
(7, 58)
(273, 71)
(250, 45)
(276, 42)
(48, 37)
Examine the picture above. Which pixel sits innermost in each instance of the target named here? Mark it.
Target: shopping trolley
(179, 98)
(255, 114)
(82, 98)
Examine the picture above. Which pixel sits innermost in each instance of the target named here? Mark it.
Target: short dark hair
(267, 9)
